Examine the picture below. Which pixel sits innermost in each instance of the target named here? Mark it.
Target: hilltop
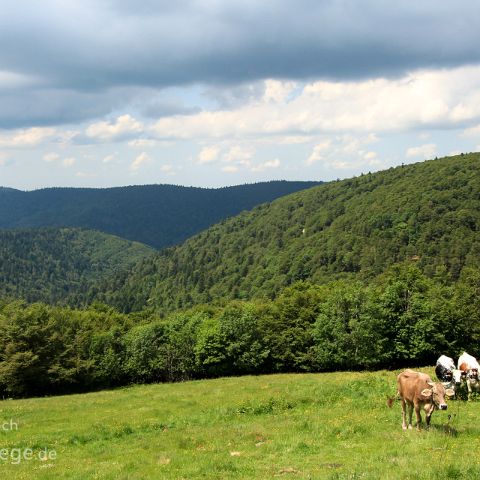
(428, 212)
(156, 215)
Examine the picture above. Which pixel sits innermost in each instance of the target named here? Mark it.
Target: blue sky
(103, 93)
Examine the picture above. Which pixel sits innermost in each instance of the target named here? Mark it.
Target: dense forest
(401, 318)
(378, 271)
(157, 215)
(350, 229)
(62, 265)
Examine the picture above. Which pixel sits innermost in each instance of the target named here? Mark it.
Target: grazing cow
(447, 373)
(418, 391)
(444, 369)
(469, 367)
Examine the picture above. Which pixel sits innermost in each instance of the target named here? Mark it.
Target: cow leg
(410, 413)
(428, 414)
(418, 416)
(404, 414)
(469, 388)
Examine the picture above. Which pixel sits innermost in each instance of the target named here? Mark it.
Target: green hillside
(156, 215)
(355, 228)
(61, 265)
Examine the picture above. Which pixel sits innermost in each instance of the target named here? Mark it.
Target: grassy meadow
(332, 426)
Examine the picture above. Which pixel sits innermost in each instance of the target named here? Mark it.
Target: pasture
(309, 426)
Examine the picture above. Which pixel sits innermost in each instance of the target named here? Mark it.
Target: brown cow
(417, 390)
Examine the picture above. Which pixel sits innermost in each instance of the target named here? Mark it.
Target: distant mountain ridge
(156, 215)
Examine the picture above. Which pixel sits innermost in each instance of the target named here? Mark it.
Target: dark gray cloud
(88, 51)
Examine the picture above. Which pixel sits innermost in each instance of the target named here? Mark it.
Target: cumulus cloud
(426, 151)
(142, 143)
(269, 164)
(109, 158)
(277, 91)
(168, 169)
(68, 162)
(208, 154)
(140, 160)
(318, 152)
(124, 126)
(345, 152)
(26, 138)
(51, 157)
(230, 169)
(422, 99)
(239, 154)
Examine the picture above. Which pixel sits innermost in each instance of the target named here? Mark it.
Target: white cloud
(124, 125)
(345, 152)
(51, 157)
(426, 151)
(421, 99)
(109, 158)
(370, 156)
(318, 152)
(68, 162)
(208, 154)
(294, 140)
(27, 138)
(140, 160)
(142, 143)
(269, 164)
(239, 154)
(277, 91)
(230, 169)
(454, 152)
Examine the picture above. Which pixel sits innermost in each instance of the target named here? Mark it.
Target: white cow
(469, 367)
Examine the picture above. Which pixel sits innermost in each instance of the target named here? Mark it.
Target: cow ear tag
(426, 392)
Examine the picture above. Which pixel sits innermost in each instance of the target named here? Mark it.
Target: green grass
(332, 426)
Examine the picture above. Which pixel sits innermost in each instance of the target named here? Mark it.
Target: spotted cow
(470, 368)
(446, 372)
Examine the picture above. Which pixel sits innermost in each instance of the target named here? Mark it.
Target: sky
(101, 93)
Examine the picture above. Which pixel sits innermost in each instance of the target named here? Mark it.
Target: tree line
(402, 318)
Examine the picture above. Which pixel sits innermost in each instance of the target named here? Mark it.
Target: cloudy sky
(209, 93)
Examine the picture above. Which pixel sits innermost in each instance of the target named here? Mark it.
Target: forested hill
(62, 265)
(427, 212)
(157, 215)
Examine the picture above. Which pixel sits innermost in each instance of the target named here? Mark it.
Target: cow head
(437, 393)
(472, 374)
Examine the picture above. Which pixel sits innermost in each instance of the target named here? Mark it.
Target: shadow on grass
(448, 430)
